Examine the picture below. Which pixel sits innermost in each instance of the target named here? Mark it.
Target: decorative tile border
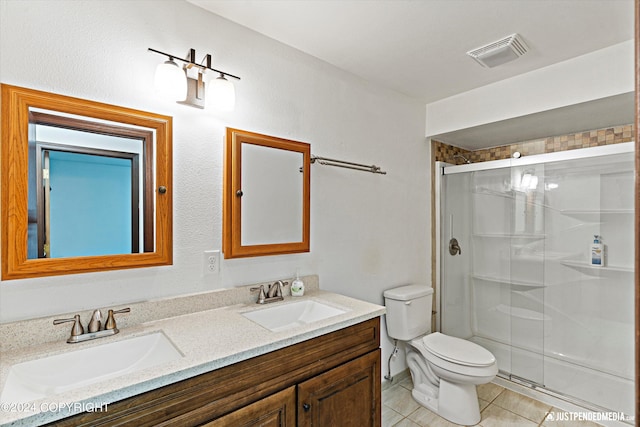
(613, 135)
(441, 152)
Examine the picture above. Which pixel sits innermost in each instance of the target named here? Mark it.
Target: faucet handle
(111, 321)
(76, 329)
(262, 296)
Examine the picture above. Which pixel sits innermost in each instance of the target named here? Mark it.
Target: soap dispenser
(297, 286)
(597, 252)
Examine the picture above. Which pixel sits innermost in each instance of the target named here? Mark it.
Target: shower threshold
(557, 399)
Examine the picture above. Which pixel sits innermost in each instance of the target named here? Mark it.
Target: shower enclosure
(520, 281)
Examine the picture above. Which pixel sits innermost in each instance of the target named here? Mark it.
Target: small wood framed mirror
(266, 195)
(86, 186)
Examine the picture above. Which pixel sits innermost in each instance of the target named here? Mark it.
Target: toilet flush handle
(407, 303)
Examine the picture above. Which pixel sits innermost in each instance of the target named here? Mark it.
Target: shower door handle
(454, 247)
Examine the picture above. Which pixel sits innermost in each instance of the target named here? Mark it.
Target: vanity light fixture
(173, 82)
(222, 95)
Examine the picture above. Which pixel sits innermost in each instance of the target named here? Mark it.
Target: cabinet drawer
(277, 410)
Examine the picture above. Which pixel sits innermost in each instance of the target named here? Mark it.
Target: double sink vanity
(214, 359)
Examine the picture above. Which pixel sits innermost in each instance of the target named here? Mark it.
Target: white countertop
(209, 340)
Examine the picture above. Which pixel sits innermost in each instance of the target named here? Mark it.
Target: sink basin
(55, 374)
(288, 316)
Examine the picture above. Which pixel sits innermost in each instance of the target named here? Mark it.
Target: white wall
(596, 75)
(368, 232)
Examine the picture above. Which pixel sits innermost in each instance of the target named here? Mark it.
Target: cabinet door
(277, 410)
(346, 396)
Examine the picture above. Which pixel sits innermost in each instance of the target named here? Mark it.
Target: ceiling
(418, 47)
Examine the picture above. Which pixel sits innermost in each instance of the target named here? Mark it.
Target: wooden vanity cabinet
(330, 380)
(277, 410)
(346, 396)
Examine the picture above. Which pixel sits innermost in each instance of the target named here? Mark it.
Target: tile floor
(499, 408)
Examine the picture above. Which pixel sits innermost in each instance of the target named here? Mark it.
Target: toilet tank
(408, 311)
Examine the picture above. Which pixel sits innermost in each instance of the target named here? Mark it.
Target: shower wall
(523, 286)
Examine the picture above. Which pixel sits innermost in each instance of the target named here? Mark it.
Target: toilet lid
(457, 350)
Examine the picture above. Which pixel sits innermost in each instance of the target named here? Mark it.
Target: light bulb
(171, 81)
(221, 94)
(526, 181)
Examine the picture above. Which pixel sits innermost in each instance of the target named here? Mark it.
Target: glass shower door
(490, 275)
(523, 285)
(526, 284)
(494, 293)
(455, 303)
(589, 352)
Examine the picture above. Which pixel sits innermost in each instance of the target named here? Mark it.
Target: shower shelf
(521, 313)
(511, 236)
(509, 194)
(595, 215)
(516, 285)
(589, 269)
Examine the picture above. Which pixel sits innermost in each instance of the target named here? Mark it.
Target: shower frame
(440, 247)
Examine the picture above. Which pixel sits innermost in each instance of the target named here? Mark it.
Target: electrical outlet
(211, 262)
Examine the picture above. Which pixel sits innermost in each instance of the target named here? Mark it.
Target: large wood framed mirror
(86, 186)
(266, 195)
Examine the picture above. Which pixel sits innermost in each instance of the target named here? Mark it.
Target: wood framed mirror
(86, 186)
(266, 195)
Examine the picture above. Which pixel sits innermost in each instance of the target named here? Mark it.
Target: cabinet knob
(306, 407)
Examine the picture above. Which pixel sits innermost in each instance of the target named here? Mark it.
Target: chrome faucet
(275, 290)
(273, 294)
(96, 321)
(77, 331)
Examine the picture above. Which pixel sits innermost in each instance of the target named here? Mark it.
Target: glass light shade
(221, 94)
(171, 81)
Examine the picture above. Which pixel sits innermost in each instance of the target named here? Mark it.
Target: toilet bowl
(449, 369)
(445, 370)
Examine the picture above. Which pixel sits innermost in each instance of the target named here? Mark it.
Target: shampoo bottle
(297, 286)
(597, 252)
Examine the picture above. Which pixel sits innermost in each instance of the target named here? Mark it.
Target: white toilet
(445, 370)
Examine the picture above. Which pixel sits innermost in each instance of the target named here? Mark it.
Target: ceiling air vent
(499, 52)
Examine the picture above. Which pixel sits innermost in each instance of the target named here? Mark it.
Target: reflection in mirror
(79, 183)
(266, 195)
(85, 185)
(272, 195)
